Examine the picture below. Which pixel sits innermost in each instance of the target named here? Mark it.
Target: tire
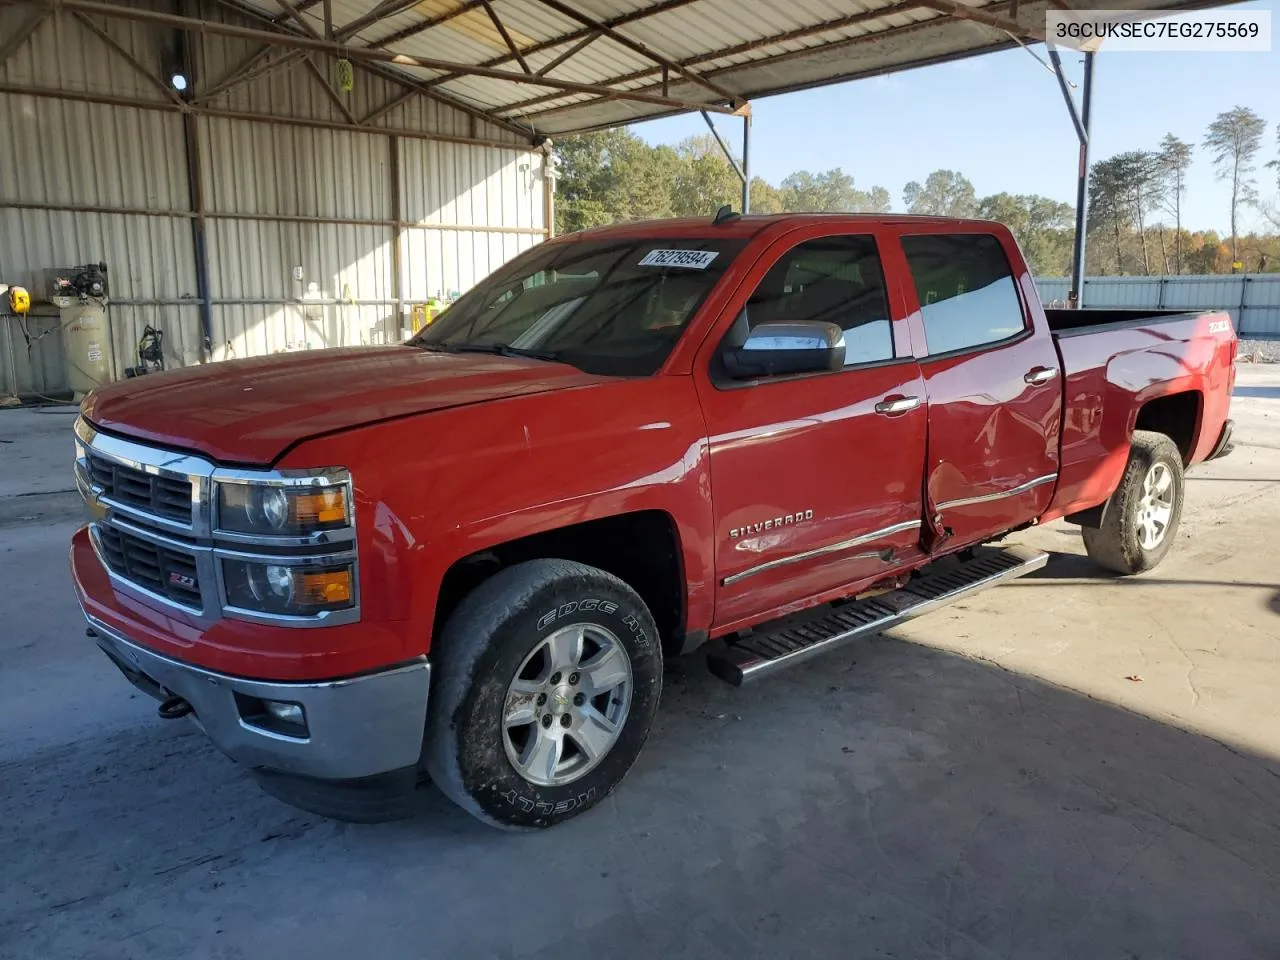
(1123, 542)
(506, 631)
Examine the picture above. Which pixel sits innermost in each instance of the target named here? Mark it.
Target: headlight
(297, 590)
(296, 508)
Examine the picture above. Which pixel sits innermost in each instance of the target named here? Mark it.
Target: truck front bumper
(351, 728)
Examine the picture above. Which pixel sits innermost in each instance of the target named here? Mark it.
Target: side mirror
(773, 349)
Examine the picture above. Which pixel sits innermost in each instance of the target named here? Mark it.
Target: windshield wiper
(500, 350)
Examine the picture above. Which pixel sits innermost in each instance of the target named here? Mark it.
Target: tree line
(1135, 198)
(1135, 204)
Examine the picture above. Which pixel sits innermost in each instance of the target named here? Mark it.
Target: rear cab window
(965, 287)
(610, 306)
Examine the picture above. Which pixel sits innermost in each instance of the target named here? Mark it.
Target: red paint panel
(813, 449)
(990, 431)
(783, 448)
(1111, 373)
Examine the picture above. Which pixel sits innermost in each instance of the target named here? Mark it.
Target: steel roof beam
(256, 71)
(573, 51)
(506, 37)
(298, 18)
(962, 11)
(327, 87)
(842, 44)
(165, 106)
(560, 41)
(375, 56)
(636, 47)
(387, 8)
(22, 34)
(799, 33)
(427, 24)
(127, 56)
(398, 77)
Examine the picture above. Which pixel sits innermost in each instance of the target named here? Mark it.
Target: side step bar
(758, 654)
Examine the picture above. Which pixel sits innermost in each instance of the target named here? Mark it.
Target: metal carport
(429, 171)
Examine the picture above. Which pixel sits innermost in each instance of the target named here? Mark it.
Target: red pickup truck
(467, 556)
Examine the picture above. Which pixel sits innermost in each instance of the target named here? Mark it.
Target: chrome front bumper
(356, 727)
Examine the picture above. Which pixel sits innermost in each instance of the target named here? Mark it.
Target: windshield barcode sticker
(689, 259)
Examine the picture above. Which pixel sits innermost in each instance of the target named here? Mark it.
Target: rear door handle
(892, 406)
(1038, 375)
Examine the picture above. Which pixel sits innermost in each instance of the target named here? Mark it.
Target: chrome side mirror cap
(778, 349)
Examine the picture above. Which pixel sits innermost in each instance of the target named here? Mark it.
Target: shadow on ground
(1078, 567)
(890, 800)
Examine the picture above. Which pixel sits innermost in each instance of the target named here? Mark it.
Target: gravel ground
(1265, 351)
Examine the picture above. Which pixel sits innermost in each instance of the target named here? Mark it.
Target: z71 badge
(800, 516)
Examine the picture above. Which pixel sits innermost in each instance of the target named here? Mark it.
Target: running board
(758, 654)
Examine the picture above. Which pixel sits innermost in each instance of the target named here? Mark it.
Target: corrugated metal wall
(279, 197)
(1252, 299)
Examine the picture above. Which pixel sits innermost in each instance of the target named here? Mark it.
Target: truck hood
(251, 411)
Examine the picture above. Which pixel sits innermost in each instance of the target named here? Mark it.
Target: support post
(746, 163)
(1076, 295)
(548, 195)
(733, 161)
(199, 245)
(397, 233)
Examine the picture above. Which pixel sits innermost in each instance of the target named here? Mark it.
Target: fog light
(285, 712)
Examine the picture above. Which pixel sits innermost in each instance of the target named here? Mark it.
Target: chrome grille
(154, 530)
(161, 569)
(165, 496)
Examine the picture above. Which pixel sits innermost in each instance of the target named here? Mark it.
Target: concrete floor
(993, 781)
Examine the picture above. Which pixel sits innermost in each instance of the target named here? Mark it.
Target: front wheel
(1141, 519)
(545, 683)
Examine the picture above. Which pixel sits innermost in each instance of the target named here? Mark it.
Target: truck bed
(1136, 369)
(1071, 322)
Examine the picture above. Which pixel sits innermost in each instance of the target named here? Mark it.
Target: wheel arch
(642, 548)
(1177, 415)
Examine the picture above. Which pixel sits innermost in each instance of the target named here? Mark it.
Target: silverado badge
(785, 520)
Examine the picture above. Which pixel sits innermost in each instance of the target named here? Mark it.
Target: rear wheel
(1141, 519)
(545, 683)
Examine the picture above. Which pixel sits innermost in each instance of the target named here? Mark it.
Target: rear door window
(966, 290)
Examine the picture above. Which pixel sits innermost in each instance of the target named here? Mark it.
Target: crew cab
(467, 556)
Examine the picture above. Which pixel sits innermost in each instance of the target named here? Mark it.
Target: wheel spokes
(567, 704)
(604, 671)
(522, 699)
(596, 735)
(1162, 481)
(541, 755)
(1160, 514)
(565, 649)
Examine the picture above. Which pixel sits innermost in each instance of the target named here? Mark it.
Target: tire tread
(1113, 545)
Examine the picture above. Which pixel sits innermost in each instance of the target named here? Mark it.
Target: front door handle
(1038, 375)
(894, 405)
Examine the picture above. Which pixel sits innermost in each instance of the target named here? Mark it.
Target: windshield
(610, 307)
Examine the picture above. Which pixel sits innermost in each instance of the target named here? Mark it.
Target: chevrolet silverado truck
(467, 556)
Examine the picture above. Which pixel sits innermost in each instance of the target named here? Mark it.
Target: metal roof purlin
(800, 33)
(378, 56)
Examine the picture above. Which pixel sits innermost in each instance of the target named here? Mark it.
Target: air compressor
(80, 294)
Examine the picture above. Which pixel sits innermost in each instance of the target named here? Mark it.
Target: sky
(1000, 120)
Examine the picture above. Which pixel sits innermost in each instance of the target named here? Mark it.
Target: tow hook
(173, 708)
